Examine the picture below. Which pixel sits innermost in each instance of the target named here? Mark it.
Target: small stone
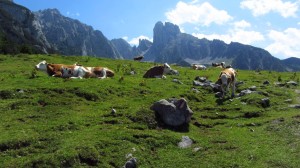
(197, 149)
(265, 102)
(252, 88)
(185, 142)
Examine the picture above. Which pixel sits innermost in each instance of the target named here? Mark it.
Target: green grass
(54, 122)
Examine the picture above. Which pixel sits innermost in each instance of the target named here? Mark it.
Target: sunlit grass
(56, 122)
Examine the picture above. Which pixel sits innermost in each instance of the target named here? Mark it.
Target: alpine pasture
(55, 122)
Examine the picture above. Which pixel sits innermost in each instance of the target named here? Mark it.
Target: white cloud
(241, 36)
(241, 24)
(238, 33)
(135, 41)
(262, 7)
(125, 38)
(196, 13)
(285, 44)
(72, 14)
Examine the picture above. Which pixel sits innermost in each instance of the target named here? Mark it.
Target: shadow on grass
(220, 101)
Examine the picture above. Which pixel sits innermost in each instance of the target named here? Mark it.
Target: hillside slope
(47, 121)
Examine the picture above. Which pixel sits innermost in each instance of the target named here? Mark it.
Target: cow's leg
(57, 74)
(232, 88)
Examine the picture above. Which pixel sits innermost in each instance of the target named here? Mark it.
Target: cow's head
(42, 66)
(167, 68)
(109, 73)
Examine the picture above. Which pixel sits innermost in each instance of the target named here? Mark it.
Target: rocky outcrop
(71, 37)
(292, 64)
(173, 112)
(172, 46)
(19, 28)
(48, 31)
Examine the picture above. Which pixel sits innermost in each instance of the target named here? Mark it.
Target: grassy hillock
(55, 122)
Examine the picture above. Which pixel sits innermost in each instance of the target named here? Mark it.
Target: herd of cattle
(227, 77)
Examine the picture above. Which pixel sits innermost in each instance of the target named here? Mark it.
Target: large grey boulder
(173, 112)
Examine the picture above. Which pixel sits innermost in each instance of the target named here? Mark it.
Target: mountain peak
(53, 11)
(164, 33)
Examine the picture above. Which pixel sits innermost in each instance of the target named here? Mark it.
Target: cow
(86, 72)
(198, 67)
(220, 65)
(138, 58)
(73, 71)
(227, 78)
(158, 71)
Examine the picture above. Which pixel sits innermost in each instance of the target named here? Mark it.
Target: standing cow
(227, 78)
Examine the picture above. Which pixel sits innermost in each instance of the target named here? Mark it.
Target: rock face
(128, 52)
(48, 31)
(172, 46)
(173, 112)
(20, 28)
(71, 37)
(293, 64)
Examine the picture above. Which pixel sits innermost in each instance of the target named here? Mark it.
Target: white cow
(198, 67)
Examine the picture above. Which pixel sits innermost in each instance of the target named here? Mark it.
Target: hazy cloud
(135, 41)
(70, 14)
(238, 33)
(262, 7)
(197, 13)
(285, 44)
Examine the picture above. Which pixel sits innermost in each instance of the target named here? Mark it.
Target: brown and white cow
(158, 71)
(227, 78)
(74, 71)
(138, 58)
(198, 67)
(220, 65)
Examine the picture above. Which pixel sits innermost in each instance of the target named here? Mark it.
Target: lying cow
(158, 71)
(220, 65)
(198, 67)
(227, 78)
(73, 71)
(138, 58)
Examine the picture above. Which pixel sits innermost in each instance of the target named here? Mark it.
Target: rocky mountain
(292, 64)
(48, 31)
(172, 46)
(129, 52)
(20, 30)
(71, 37)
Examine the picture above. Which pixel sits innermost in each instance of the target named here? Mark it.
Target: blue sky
(273, 25)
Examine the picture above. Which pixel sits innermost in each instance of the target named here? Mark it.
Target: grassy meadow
(55, 122)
